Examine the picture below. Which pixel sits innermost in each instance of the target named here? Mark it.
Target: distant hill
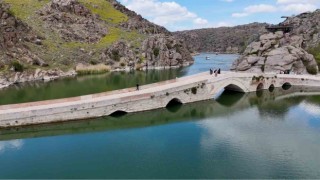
(223, 39)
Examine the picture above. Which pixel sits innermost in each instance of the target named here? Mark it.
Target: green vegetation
(17, 66)
(141, 59)
(312, 70)
(105, 10)
(177, 47)
(93, 69)
(115, 55)
(23, 9)
(156, 52)
(316, 53)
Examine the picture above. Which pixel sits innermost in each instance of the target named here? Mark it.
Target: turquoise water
(264, 135)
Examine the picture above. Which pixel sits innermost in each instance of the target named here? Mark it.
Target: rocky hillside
(223, 39)
(43, 39)
(286, 52)
(307, 25)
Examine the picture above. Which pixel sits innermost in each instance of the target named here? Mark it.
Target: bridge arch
(231, 86)
(174, 102)
(271, 88)
(118, 113)
(260, 87)
(286, 86)
(235, 85)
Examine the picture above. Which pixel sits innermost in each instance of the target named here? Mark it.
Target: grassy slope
(64, 55)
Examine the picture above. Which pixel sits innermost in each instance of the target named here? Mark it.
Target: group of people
(285, 72)
(215, 72)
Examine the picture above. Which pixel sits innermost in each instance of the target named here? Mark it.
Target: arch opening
(271, 88)
(118, 114)
(286, 86)
(174, 102)
(233, 87)
(229, 98)
(174, 105)
(260, 87)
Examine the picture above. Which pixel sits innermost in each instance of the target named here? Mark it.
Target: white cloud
(239, 15)
(15, 144)
(164, 13)
(223, 24)
(288, 6)
(311, 108)
(299, 8)
(296, 1)
(200, 21)
(261, 8)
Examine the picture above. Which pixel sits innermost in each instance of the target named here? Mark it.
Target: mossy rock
(312, 69)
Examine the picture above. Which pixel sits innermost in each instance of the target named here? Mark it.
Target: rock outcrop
(307, 25)
(156, 51)
(14, 34)
(276, 52)
(37, 75)
(73, 21)
(223, 39)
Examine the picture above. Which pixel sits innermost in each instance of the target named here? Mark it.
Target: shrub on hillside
(156, 52)
(312, 70)
(17, 66)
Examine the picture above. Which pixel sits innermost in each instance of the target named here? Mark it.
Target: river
(255, 135)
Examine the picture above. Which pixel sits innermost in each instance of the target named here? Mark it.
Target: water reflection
(13, 144)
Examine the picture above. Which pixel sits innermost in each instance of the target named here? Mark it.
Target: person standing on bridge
(138, 87)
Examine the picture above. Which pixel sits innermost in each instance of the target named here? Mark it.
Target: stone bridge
(190, 89)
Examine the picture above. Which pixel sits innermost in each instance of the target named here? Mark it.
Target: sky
(178, 15)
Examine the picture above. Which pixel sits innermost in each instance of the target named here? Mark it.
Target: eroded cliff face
(52, 37)
(277, 52)
(156, 51)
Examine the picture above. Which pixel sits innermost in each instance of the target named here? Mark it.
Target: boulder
(274, 57)
(253, 48)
